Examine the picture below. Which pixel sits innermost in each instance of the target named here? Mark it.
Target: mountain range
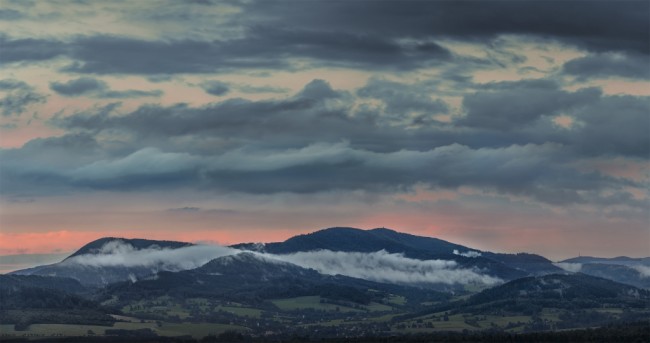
(499, 265)
(336, 275)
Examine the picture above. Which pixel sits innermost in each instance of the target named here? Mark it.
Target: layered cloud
(266, 100)
(352, 151)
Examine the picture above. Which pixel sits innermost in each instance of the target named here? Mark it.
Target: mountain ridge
(344, 239)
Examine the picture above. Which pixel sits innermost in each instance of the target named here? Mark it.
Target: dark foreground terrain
(637, 332)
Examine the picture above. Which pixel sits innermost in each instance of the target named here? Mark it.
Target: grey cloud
(11, 84)
(613, 125)
(262, 47)
(86, 86)
(18, 97)
(261, 89)
(609, 65)
(314, 141)
(316, 107)
(29, 49)
(534, 171)
(522, 170)
(317, 113)
(79, 86)
(387, 35)
(37, 167)
(131, 93)
(401, 100)
(579, 23)
(513, 105)
(216, 88)
(107, 54)
(159, 78)
(10, 14)
(150, 161)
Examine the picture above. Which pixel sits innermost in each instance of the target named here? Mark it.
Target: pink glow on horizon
(65, 240)
(43, 242)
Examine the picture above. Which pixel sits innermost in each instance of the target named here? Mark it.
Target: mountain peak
(95, 247)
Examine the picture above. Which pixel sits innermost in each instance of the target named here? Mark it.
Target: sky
(506, 126)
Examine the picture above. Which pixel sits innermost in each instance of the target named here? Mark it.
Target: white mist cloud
(382, 266)
(379, 266)
(569, 267)
(118, 253)
(469, 253)
(643, 270)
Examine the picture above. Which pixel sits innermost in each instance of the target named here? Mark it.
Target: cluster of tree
(630, 332)
(24, 298)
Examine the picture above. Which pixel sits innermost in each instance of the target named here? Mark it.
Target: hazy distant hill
(621, 260)
(628, 270)
(619, 273)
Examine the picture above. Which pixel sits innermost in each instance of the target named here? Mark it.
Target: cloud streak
(87, 86)
(382, 266)
(644, 271)
(469, 253)
(119, 254)
(379, 266)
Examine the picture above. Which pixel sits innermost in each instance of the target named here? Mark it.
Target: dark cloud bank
(385, 136)
(317, 141)
(370, 35)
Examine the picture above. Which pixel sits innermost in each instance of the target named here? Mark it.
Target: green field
(314, 302)
(377, 307)
(241, 311)
(396, 300)
(310, 302)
